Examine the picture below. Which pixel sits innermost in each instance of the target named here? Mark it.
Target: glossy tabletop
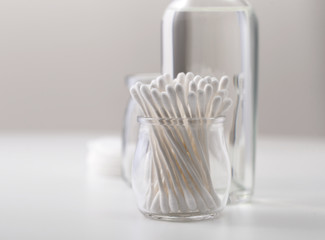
(46, 193)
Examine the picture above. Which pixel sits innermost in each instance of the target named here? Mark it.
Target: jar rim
(148, 120)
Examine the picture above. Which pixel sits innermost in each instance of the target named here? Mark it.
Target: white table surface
(45, 194)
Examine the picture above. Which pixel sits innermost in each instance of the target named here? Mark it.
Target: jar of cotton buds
(181, 170)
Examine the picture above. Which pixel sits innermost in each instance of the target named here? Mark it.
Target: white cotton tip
(226, 106)
(153, 85)
(181, 77)
(208, 90)
(161, 83)
(179, 91)
(155, 205)
(153, 81)
(158, 102)
(197, 78)
(202, 83)
(223, 84)
(167, 77)
(135, 95)
(201, 102)
(215, 84)
(200, 202)
(146, 93)
(167, 104)
(193, 86)
(190, 201)
(208, 199)
(161, 77)
(138, 86)
(173, 99)
(189, 76)
(172, 200)
(163, 202)
(208, 79)
(192, 104)
(181, 96)
(134, 92)
(156, 96)
(215, 106)
(208, 93)
(171, 92)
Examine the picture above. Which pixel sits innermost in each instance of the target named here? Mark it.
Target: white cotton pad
(104, 156)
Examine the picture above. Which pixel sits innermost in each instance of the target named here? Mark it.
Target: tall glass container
(216, 38)
(130, 126)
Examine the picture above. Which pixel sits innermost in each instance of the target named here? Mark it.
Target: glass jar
(181, 170)
(130, 126)
(216, 38)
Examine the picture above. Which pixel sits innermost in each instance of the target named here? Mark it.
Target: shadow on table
(275, 214)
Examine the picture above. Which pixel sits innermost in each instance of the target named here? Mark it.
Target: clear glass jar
(130, 126)
(216, 38)
(181, 170)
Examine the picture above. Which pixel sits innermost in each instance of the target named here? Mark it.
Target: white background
(63, 62)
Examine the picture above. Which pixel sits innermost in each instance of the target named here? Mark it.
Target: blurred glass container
(130, 126)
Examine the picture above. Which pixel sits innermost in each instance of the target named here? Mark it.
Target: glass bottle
(130, 125)
(174, 176)
(215, 38)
